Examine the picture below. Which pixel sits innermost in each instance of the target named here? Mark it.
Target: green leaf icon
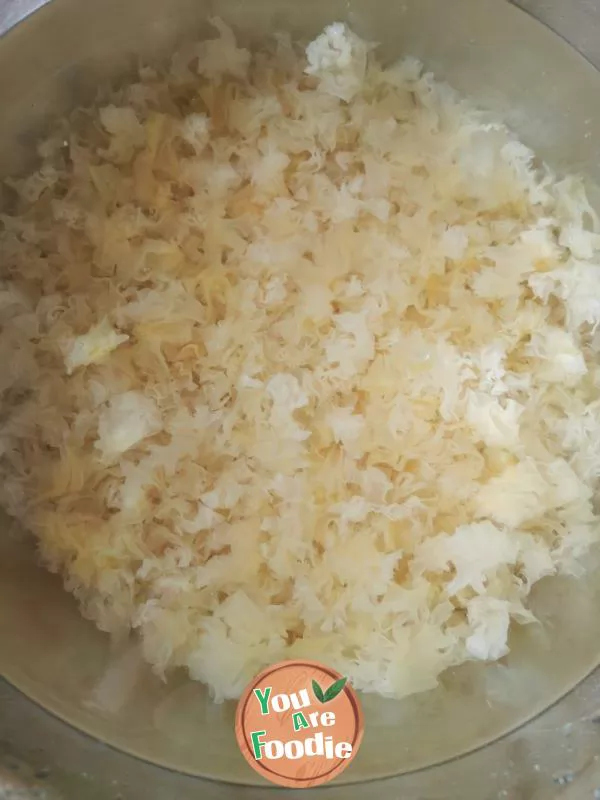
(334, 690)
(318, 692)
(331, 693)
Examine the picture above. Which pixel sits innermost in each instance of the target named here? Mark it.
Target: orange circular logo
(299, 724)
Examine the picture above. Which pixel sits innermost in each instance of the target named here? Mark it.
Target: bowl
(54, 56)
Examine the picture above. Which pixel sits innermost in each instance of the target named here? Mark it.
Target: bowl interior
(503, 60)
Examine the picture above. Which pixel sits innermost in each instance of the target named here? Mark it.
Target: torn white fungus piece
(127, 419)
(93, 346)
(300, 361)
(489, 619)
(338, 57)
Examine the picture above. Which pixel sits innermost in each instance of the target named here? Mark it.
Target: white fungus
(300, 361)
